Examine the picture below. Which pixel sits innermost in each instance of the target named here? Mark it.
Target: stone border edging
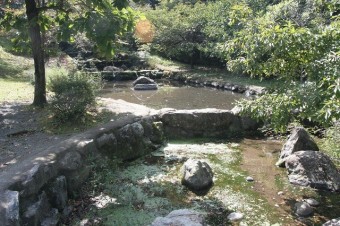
(180, 76)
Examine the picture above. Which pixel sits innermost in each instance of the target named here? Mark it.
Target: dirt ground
(22, 133)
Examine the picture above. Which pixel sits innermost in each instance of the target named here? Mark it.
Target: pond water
(172, 96)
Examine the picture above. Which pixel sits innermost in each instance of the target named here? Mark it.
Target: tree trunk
(38, 53)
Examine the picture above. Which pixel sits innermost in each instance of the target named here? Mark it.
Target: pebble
(280, 193)
(303, 209)
(312, 202)
(235, 216)
(249, 179)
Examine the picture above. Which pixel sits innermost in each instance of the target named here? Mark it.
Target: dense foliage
(295, 41)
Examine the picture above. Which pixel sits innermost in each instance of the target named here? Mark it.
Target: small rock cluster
(306, 165)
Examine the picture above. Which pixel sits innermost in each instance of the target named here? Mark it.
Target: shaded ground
(23, 133)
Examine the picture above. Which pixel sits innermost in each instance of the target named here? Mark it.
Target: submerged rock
(299, 140)
(314, 169)
(182, 217)
(197, 175)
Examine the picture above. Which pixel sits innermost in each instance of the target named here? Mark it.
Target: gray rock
(131, 142)
(58, 193)
(36, 177)
(299, 140)
(201, 123)
(314, 169)
(91, 222)
(248, 124)
(142, 80)
(303, 209)
(249, 179)
(11, 207)
(76, 178)
(35, 213)
(333, 222)
(312, 202)
(71, 161)
(182, 217)
(153, 130)
(235, 216)
(52, 219)
(197, 175)
(145, 87)
(107, 143)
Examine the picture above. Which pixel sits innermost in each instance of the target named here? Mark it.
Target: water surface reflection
(170, 96)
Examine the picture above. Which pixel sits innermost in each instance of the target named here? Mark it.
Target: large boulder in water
(183, 217)
(299, 140)
(144, 83)
(197, 175)
(314, 169)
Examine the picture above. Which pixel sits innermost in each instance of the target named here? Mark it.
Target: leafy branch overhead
(103, 22)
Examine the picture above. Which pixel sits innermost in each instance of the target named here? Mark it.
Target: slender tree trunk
(38, 53)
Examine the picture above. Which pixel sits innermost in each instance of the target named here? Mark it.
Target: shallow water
(169, 96)
(135, 193)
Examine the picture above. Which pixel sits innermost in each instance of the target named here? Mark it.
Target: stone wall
(36, 191)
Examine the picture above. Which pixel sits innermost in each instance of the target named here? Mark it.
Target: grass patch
(91, 119)
(15, 90)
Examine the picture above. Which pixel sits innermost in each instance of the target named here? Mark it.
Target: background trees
(101, 21)
(294, 41)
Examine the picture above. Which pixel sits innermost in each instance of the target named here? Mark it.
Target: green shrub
(74, 94)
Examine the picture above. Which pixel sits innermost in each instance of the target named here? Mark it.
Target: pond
(172, 96)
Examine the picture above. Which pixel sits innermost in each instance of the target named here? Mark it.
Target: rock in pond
(182, 217)
(314, 169)
(299, 140)
(145, 87)
(144, 83)
(197, 175)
